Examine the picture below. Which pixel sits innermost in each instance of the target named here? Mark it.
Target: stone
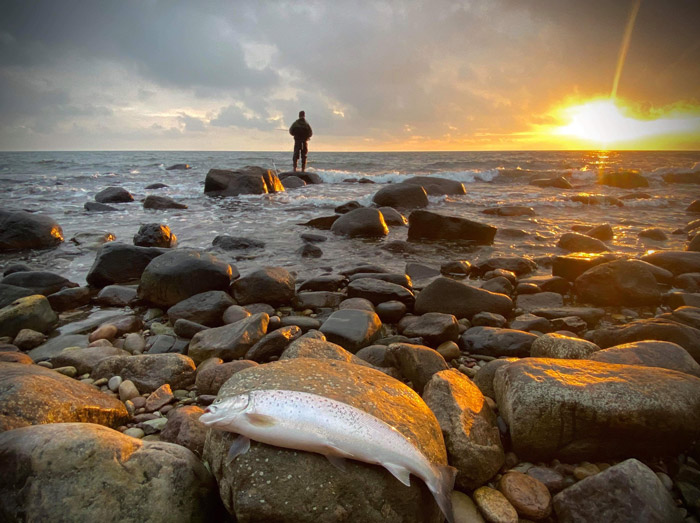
(378, 291)
(309, 250)
(602, 232)
(230, 341)
(558, 182)
(397, 279)
(321, 350)
(184, 428)
(650, 353)
(209, 380)
(678, 262)
(494, 506)
(449, 350)
(235, 243)
(401, 196)
(305, 323)
(235, 313)
(465, 509)
(352, 329)
(391, 311)
(434, 327)
(393, 217)
(69, 298)
(10, 293)
(31, 395)
(85, 359)
(625, 410)
(558, 346)
(15, 357)
(654, 233)
(161, 202)
(21, 230)
(120, 263)
(492, 341)
(620, 282)
(149, 371)
(114, 195)
(99, 474)
(596, 199)
(456, 268)
(575, 242)
(437, 186)
(155, 235)
(271, 285)
(426, 225)
(529, 496)
(625, 179)
(516, 264)
(347, 207)
(159, 398)
(104, 332)
(178, 275)
(591, 315)
(541, 300)
(247, 180)
(328, 283)
(549, 283)
(318, 300)
(461, 300)
(115, 296)
(550, 478)
(468, 426)
(362, 304)
(529, 322)
(187, 329)
(510, 210)
(488, 319)
(273, 344)
(98, 207)
(206, 308)
(300, 481)
(39, 282)
(293, 182)
(628, 492)
(687, 315)
(323, 223)
(694, 244)
(361, 223)
(30, 312)
(417, 363)
(55, 345)
(28, 339)
(571, 266)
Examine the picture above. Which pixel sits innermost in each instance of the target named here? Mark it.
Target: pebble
(465, 510)
(529, 496)
(135, 432)
(160, 328)
(87, 381)
(139, 402)
(127, 390)
(114, 383)
(69, 371)
(99, 382)
(154, 425)
(130, 407)
(449, 350)
(181, 394)
(104, 332)
(470, 372)
(494, 506)
(585, 470)
(45, 364)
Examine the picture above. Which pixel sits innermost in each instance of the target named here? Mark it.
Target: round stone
(128, 391)
(135, 432)
(494, 506)
(528, 495)
(114, 383)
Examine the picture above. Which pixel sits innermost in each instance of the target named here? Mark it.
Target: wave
(337, 176)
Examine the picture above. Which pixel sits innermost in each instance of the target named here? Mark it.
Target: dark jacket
(301, 130)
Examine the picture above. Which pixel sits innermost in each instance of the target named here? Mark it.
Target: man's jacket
(301, 130)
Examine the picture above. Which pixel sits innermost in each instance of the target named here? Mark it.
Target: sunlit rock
(247, 180)
(23, 230)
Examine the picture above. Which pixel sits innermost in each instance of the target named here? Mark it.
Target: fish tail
(442, 489)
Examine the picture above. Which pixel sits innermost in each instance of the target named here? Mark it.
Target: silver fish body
(313, 423)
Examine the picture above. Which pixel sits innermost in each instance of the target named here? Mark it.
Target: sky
(371, 75)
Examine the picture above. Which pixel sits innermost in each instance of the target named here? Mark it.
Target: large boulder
(496, 342)
(33, 395)
(114, 195)
(177, 275)
(352, 329)
(426, 225)
(401, 196)
(625, 179)
(86, 472)
(248, 180)
(229, 342)
(586, 410)
(620, 282)
(120, 263)
(155, 235)
(678, 262)
(575, 242)
(149, 371)
(437, 186)
(459, 299)
(31, 312)
(303, 486)
(651, 353)
(271, 285)
(468, 425)
(361, 223)
(206, 308)
(24, 230)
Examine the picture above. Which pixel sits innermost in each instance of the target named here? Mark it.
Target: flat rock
(54, 346)
(229, 342)
(426, 225)
(492, 341)
(149, 371)
(271, 285)
(463, 301)
(318, 300)
(651, 353)
(39, 282)
(329, 283)
(352, 329)
(320, 350)
(541, 300)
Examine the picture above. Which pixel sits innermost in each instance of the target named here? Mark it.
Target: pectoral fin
(238, 447)
(260, 420)
(399, 472)
(337, 462)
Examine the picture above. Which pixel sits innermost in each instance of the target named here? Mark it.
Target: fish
(314, 423)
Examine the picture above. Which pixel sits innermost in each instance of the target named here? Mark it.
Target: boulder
(161, 202)
(426, 225)
(571, 266)
(399, 279)
(235, 243)
(85, 359)
(308, 177)
(378, 291)
(557, 182)
(86, 472)
(434, 327)
(10, 293)
(468, 426)
(596, 199)
(155, 235)
(655, 234)
(229, 342)
(437, 186)
(175, 167)
(684, 177)
(98, 207)
(678, 262)
(210, 378)
(247, 180)
(663, 354)
(149, 371)
(401, 196)
(369, 493)
(628, 492)
(575, 242)
(347, 207)
(620, 282)
(492, 341)
(586, 410)
(687, 315)
(271, 285)
(559, 346)
(292, 182)
(33, 395)
(114, 195)
(273, 344)
(487, 373)
(120, 263)
(459, 299)
(625, 179)
(361, 223)
(23, 230)
(31, 312)
(323, 223)
(602, 232)
(393, 217)
(115, 296)
(318, 300)
(39, 282)
(417, 363)
(177, 275)
(206, 308)
(352, 329)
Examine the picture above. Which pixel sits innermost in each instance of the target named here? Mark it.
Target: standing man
(301, 131)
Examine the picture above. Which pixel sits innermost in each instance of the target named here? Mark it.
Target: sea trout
(313, 423)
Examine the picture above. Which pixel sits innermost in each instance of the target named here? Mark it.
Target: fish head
(224, 410)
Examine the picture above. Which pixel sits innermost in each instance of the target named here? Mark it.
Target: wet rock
(310, 178)
(456, 267)
(625, 179)
(417, 363)
(529, 497)
(494, 506)
(104, 475)
(488, 319)
(468, 427)
(434, 327)
(21, 230)
(303, 322)
(541, 300)
(69, 298)
(397, 279)
(378, 291)
(352, 329)
(347, 207)
(273, 344)
(574, 265)
(30, 312)
(369, 492)
(498, 285)
(626, 410)
(550, 478)
(210, 379)
(361, 223)
(627, 492)
(558, 182)
(187, 329)
(271, 285)
(120, 263)
(39, 282)
(401, 196)
(433, 226)
(55, 345)
(687, 315)
(293, 182)
(247, 180)
(206, 308)
(184, 428)
(596, 199)
(308, 250)
(377, 355)
(235, 243)
(115, 296)
(651, 353)
(492, 341)
(602, 232)
(114, 195)
(235, 313)
(31, 395)
(463, 301)
(436, 186)
(654, 233)
(620, 282)
(575, 242)
(230, 341)
(563, 347)
(85, 359)
(510, 210)
(694, 244)
(155, 235)
(161, 202)
(177, 275)
(159, 398)
(323, 223)
(683, 177)
(149, 371)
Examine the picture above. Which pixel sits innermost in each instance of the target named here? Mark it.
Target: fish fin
(238, 447)
(260, 420)
(442, 488)
(337, 462)
(399, 472)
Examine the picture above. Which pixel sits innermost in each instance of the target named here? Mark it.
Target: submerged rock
(433, 226)
(161, 202)
(114, 195)
(626, 179)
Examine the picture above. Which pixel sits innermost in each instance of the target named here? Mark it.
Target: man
(301, 131)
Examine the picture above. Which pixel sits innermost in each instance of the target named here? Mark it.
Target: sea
(60, 183)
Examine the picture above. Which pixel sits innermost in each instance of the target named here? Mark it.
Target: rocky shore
(564, 388)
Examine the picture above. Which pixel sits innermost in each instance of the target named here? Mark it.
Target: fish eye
(217, 401)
